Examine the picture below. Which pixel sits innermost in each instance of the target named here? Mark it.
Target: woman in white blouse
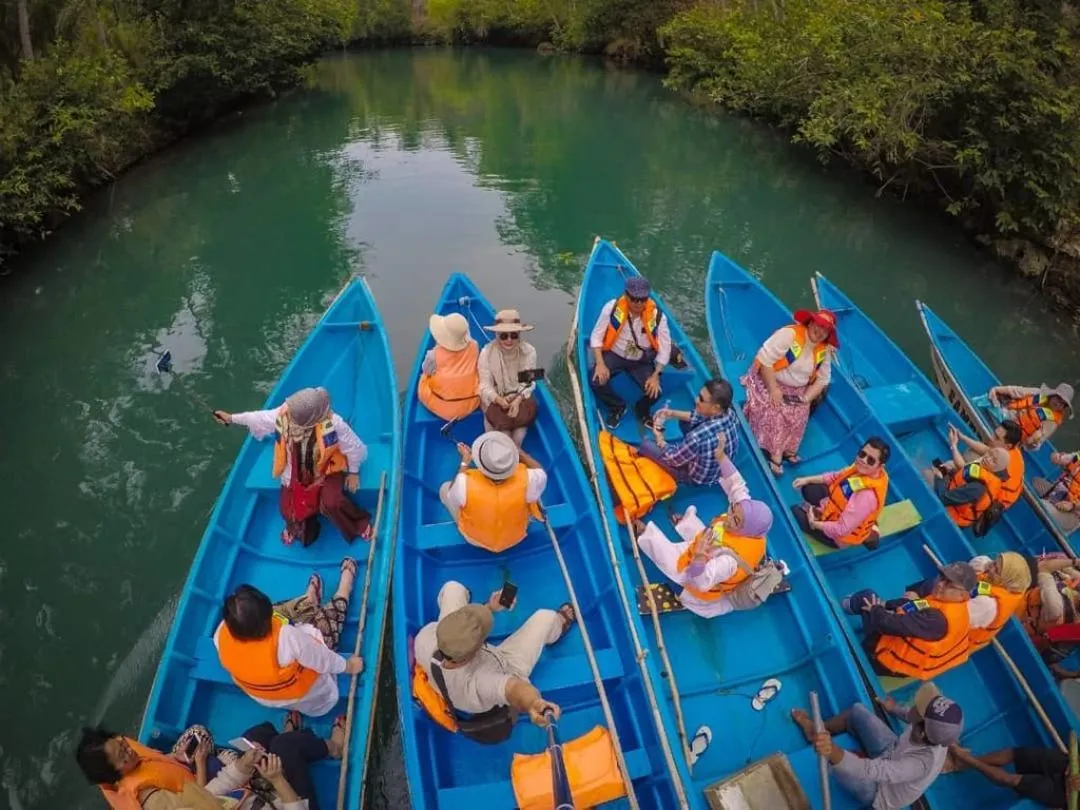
(505, 397)
(792, 368)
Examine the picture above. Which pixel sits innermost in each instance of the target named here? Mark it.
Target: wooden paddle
(1020, 679)
(823, 766)
(1074, 770)
(356, 648)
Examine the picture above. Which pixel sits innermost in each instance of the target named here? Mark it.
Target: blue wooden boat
(893, 396)
(965, 379)
(347, 353)
(716, 666)
(448, 771)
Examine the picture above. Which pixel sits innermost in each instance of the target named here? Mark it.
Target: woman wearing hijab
(507, 400)
(1004, 581)
(710, 564)
(449, 378)
(792, 369)
(317, 457)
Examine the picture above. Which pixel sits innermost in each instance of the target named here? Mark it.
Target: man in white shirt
(481, 676)
(897, 768)
(631, 335)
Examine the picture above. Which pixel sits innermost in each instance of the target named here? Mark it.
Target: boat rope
(1020, 679)
(362, 622)
(590, 653)
(736, 353)
(639, 651)
(845, 361)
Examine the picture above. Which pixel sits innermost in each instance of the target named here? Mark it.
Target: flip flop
(349, 564)
(699, 743)
(287, 537)
(792, 458)
(776, 467)
(569, 616)
(316, 581)
(294, 719)
(767, 692)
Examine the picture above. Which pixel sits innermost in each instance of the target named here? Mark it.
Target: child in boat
(283, 655)
(317, 458)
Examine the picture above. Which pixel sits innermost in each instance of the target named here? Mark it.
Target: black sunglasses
(634, 299)
(868, 459)
(509, 335)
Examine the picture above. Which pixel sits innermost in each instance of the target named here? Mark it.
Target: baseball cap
(943, 718)
(464, 631)
(961, 574)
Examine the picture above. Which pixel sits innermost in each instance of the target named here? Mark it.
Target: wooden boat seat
(500, 795)
(903, 407)
(435, 536)
(379, 458)
(894, 518)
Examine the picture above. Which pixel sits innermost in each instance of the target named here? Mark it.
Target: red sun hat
(823, 318)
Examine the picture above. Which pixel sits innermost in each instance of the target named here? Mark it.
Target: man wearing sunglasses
(841, 508)
(632, 336)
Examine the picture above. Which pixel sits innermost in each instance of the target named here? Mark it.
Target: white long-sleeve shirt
(631, 341)
(262, 424)
(304, 644)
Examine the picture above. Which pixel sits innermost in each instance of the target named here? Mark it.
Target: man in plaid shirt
(692, 459)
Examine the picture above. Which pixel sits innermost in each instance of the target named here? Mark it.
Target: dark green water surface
(402, 165)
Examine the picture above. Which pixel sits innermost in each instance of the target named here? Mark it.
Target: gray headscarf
(307, 407)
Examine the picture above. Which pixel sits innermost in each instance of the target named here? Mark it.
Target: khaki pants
(521, 649)
(1068, 521)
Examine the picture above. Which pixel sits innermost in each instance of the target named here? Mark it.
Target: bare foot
(336, 744)
(805, 724)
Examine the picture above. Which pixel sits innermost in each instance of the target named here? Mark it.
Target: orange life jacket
(639, 483)
(591, 768)
(918, 658)
(841, 490)
(155, 770)
(650, 318)
(431, 700)
(451, 392)
(967, 513)
(495, 515)
(1007, 603)
(1070, 476)
(821, 352)
(328, 456)
(254, 665)
(1031, 412)
(1013, 485)
(751, 550)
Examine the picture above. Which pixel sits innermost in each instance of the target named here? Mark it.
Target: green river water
(402, 165)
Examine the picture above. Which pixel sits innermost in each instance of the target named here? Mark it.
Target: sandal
(776, 467)
(287, 537)
(349, 564)
(699, 743)
(368, 533)
(792, 458)
(767, 692)
(293, 721)
(569, 616)
(314, 583)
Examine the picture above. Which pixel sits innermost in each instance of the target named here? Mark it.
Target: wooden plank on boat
(768, 784)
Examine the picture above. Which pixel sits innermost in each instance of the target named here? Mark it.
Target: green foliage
(975, 104)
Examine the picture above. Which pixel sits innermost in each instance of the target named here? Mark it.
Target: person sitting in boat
(631, 335)
(1007, 435)
(283, 655)
(970, 491)
(492, 503)
(713, 563)
(1062, 497)
(317, 459)
(126, 771)
(1053, 602)
(481, 679)
(692, 459)
(923, 633)
(506, 398)
(449, 376)
(841, 508)
(791, 370)
(1004, 581)
(1038, 411)
(1041, 775)
(897, 768)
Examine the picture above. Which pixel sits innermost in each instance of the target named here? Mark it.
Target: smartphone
(189, 749)
(792, 399)
(508, 594)
(241, 744)
(531, 375)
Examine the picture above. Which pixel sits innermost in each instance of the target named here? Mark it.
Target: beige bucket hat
(450, 331)
(509, 320)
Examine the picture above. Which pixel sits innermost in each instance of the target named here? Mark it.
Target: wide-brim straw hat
(495, 455)
(823, 318)
(1064, 390)
(509, 320)
(450, 331)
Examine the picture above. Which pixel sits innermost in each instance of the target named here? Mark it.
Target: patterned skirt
(778, 429)
(328, 619)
